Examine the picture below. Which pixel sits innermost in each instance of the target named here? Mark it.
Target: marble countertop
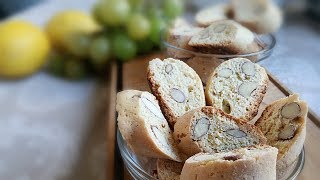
(54, 129)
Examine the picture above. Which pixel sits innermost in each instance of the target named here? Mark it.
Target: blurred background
(53, 81)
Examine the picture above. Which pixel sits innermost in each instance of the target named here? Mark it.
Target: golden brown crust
(164, 107)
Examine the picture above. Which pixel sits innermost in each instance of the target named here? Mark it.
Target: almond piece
(201, 128)
(248, 68)
(220, 28)
(168, 68)
(225, 72)
(177, 95)
(287, 132)
(153, 108)
(159, 135)
(291, 110)
(236, 133)
(246, 88)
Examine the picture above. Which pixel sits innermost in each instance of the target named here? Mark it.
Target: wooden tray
(132, 75)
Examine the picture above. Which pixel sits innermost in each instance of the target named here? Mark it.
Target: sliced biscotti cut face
(284, 124)
(257, 162)
(143, 126)
(210, 130)
(177, 87)
(168, 169)
(178, 36)
(260, 16)
(237, 87)
(210, 14)
(225, 37)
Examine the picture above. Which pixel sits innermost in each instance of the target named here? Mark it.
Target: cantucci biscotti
(210, 130)
(168, 169)
(260, 16)
(213, 13)
(257, 162)
(237, 87)
(177, 86)
(224, 37)
(143, 126)
(284, 124)
(178, 36)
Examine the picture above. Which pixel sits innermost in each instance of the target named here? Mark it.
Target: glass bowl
(144, 168)
(266, 42)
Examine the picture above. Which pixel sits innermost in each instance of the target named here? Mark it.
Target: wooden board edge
(111, 123)
(311, 114)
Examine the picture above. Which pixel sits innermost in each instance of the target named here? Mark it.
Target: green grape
(144, 46)
(100, 51)
(75, 69)
(172, 8)
(157, 25)
(78, 44)
(56, 64)
(136, 4)
(123, 47)
(138, 27)
(113, 12)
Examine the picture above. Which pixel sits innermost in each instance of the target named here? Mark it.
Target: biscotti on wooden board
(168, 169)
(283, 122)
(177, 87)
(210, 130)
(237, 87)
(143, 126)
(208, 15)
(260, 16)
(258, 162)
(224, 37)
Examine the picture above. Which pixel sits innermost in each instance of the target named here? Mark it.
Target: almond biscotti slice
(237, 87)
(210, 130)
(169, 170)
(213, 13)
(257, 162)
(260, 16)
(178, 36)
(225, 37)
(284, 124)
(177, 87)
(143, 126)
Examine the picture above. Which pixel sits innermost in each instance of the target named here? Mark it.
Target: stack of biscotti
(224, 37)
(260, 16)
(195, 141)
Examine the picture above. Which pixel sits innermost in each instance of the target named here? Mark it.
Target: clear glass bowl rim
(265, 50)
(124, 151)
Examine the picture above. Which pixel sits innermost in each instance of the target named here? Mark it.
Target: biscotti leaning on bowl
(237, 87)
(168, 169)
(143, 126)
(257, 162)
(177, 87)
(225, 37)
(284, 124)
(260, 16)
(210, 130)
(179, 36)
(208, 15)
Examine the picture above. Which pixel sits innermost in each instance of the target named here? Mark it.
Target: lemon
(23, 48)
(68, 23)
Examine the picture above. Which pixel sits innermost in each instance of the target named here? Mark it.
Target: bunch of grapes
(130, 28)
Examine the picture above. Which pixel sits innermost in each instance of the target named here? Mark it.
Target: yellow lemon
(68, 23)
(23, 48)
